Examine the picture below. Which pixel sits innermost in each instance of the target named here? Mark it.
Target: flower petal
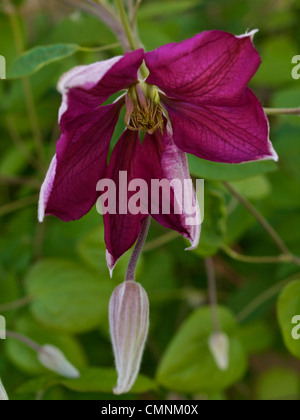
(212, 68)
(162, 160)
(90, 86)
(69, 190)
(122, 230)
(231, 134)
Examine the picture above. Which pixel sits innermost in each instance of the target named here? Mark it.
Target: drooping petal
(69, 190)
(231, 134)
(90, 86)
(162, 160)
(212, 68)
(122, 229)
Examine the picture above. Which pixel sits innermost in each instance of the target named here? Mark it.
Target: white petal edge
(85, 77)
(46, 189)
(176, 160)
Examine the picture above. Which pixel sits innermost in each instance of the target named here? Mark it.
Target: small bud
(53, 359)
(129, 325)
(3, 394)
(219, 347)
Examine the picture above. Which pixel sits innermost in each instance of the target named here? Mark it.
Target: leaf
(214, 224)
(68, 297)
(278, 384)
(26, 359)
(104, 380)
(188, 366)
(92, 250)
(288, 307)
(254, 188)
(214, 171)
(41, 383)
(276, 67)
(256, 337)
(38, 57)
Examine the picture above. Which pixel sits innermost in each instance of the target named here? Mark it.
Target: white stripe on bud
(3, 394)
(53, 359)
(129, 325)
(219, 347)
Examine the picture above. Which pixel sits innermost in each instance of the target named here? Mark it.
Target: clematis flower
(194, 100)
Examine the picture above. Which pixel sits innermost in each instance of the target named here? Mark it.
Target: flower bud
(129, 325)
(53, 359)
(3, 394)
(219, 347)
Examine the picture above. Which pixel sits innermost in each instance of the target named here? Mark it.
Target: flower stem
(17, 205)
(256, 260)
(30, 343)
(162, 240)
(126, 25)
(6, 307)
(282, 111)
(130, 275)
(32, 114)
(212, 288)
(260, 300)
(265, 224)
(99, 49)
(287, 254)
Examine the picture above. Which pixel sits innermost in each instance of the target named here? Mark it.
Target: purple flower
(195, 100)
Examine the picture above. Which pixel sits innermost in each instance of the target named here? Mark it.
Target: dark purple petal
(90, 86)
(161, 159)
(212, 68)
(69, 190)
(232, 134)
(122, 230)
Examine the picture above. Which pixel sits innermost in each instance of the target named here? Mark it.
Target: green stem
(17, 304)
(260, 300)
(99, 49)
(282, 111)
(17, 205)
(257, 260)
(126, 25)
(131, 270)
(30, 343)
(287, 254)
(15, 180)
(162, 240)
(33, 118)
(265, 224)
(212, 287)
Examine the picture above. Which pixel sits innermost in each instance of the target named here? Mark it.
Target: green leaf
(254, 188)
(278, 384)
(38, 57)
(26, 359)
(214, 224)
(104, 380)
(188, 366)
(256, 337)
(41, 383)
(227, 172)
(287, 308)
(276, 67)
(92, 250)
(68, 297)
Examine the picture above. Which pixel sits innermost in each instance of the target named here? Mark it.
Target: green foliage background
(60, 268)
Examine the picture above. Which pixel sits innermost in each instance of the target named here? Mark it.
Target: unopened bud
(129, 325)
(53, 359)
(219, 347)
(3, 394)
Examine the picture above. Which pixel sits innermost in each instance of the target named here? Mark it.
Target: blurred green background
(56, 272)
